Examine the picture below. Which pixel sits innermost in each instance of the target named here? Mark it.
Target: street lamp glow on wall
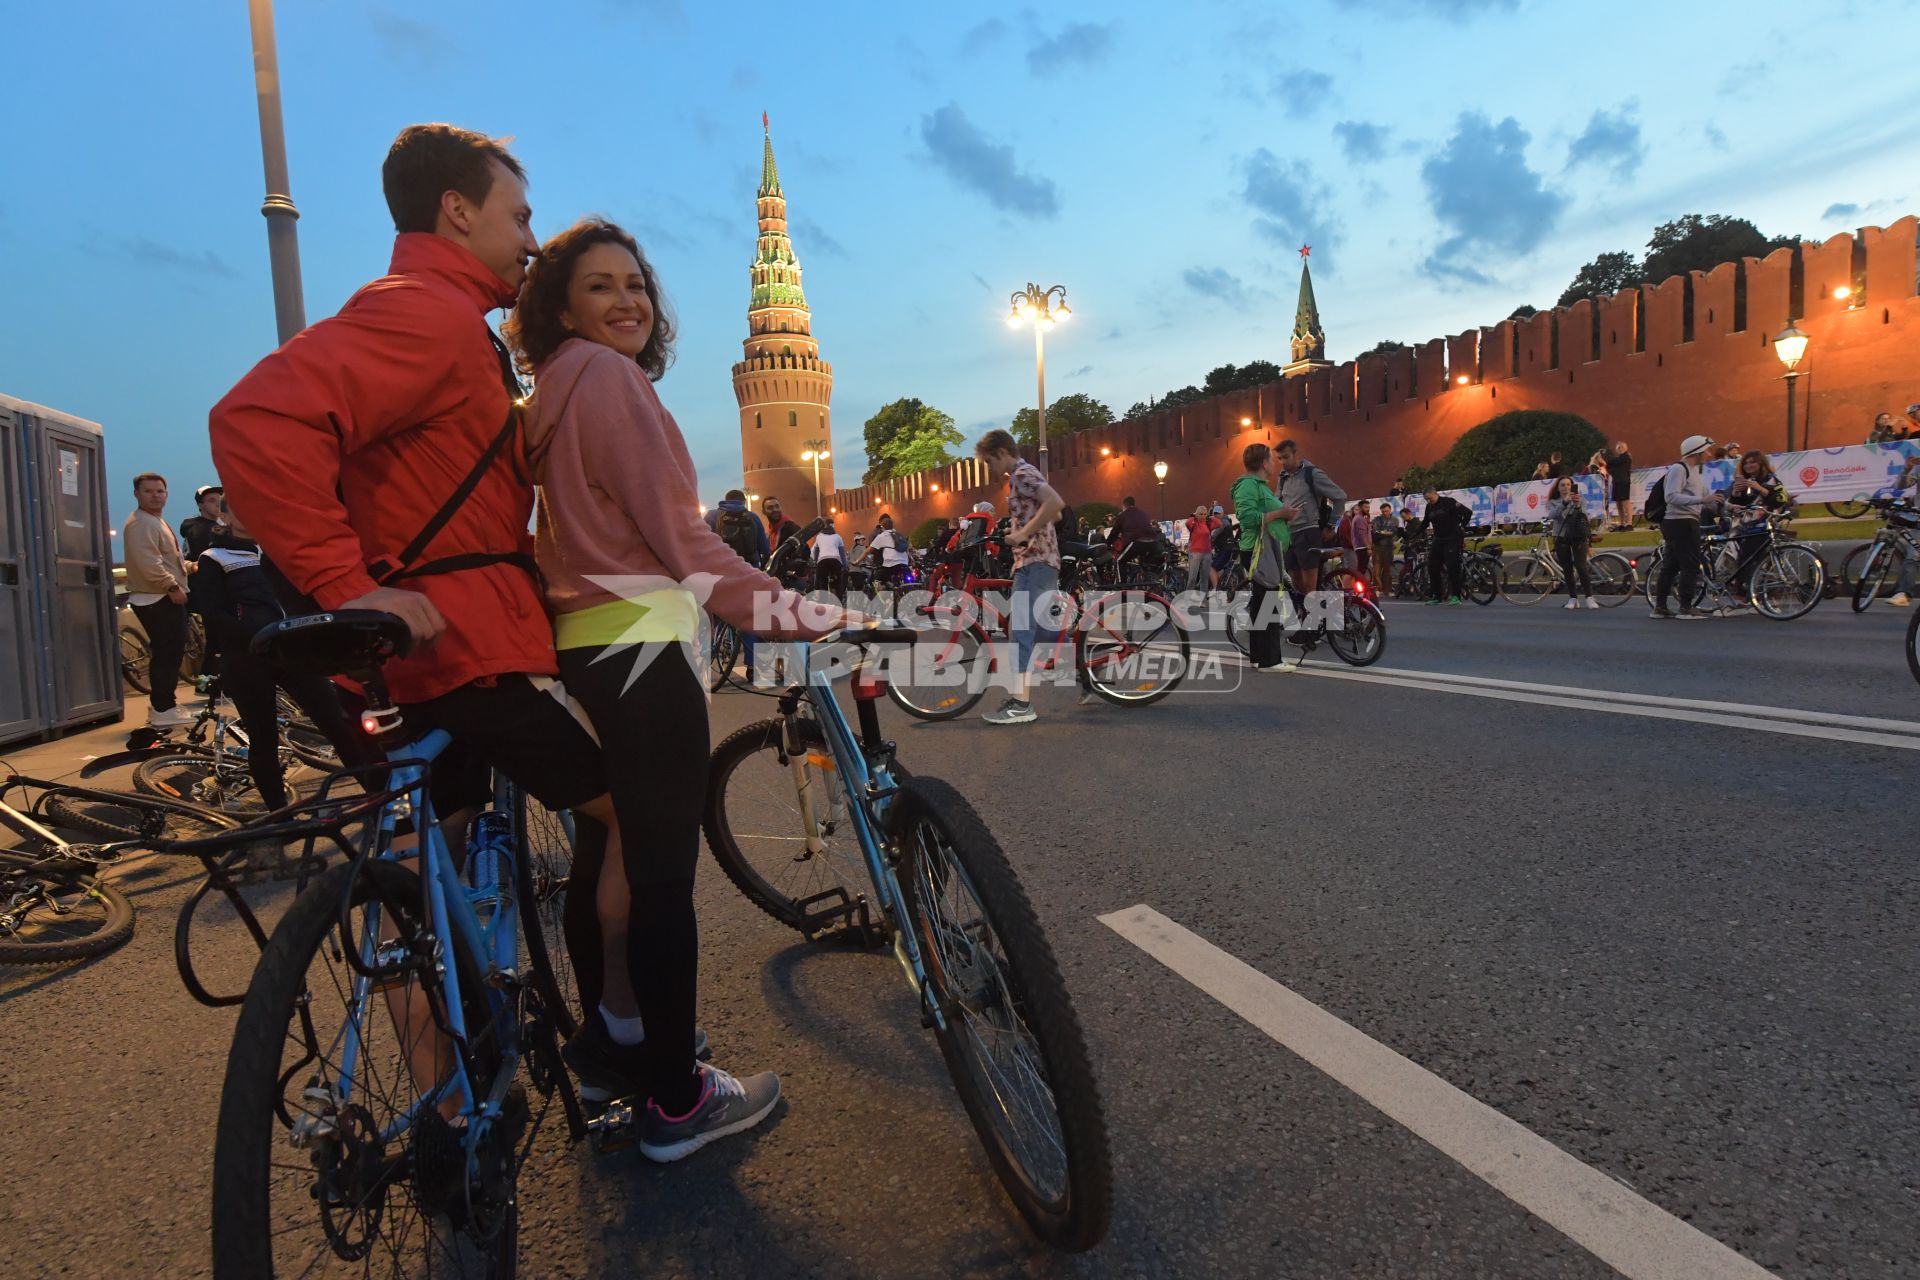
(1160, 475)
(1035, 306)
(816, 453)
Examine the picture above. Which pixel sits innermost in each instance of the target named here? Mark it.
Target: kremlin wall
(1649, 365)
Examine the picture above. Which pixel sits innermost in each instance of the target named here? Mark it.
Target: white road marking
(1624, 1230)
(1832, 726)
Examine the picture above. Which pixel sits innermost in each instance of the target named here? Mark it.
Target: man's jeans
(166, 624)
(1033, 587)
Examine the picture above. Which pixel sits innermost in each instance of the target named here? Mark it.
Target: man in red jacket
(343, 447)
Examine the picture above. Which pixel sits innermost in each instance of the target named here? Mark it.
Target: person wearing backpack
(1265, 534)
(1572, 535)
(1675, 501)
(1306, 489)
(740, 529)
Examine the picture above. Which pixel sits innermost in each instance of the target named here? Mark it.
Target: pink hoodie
(617, 494)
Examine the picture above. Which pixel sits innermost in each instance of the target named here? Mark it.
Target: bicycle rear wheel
(1363, 638)
(315, 1178)
(117, 815)
(723, 651)
(1131, 648)
(757, 829)
(1482, 579)
(1787, 582)
(194, 778)
(47, 917)
(1010, 1037)
(946, 672)
(136, 660)
(1873, 573)
(1913, 645)
(1526, 579)
(1611, 575)
(545, 876)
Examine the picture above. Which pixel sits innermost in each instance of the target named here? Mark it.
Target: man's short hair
(145, 476)
(1254, 456)
(1126, 502)
(1287, 446)
(998, 440)
(428, 160)
(1430, 489)
(735, 495)
(771, 500)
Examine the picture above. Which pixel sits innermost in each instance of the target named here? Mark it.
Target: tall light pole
(1160, 475)
(1791, 347)
(816, 453)
(1033, 305)
(283, 242)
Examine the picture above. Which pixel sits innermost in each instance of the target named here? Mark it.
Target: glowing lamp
(1843, 293)
(1160, 471)
(1790, 345)
(1462, 379)
(1246, 422)
(1105, 452)
(1063, 313)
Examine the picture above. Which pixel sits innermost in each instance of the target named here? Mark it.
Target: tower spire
(769, 175)
(1308, 347)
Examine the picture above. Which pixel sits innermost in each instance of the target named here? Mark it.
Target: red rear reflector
(369, 725)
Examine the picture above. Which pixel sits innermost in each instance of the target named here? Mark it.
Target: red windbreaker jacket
(339, 447)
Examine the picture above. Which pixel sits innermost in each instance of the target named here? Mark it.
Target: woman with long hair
(1572, 536)
(1755, 491)
(628, 562)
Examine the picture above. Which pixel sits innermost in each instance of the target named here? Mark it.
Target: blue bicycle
(825, 832)
(373, 1120)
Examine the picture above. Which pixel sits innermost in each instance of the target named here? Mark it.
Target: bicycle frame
(868, 786)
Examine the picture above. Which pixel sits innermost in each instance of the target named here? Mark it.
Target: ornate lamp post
(283, 242)
(816, 453)
(1791, 346)
(1160, 475)
(1033, 305)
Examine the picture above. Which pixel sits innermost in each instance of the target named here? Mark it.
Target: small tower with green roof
(783, 387)
(1307, 350)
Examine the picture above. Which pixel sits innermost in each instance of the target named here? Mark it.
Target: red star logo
(1305, 249)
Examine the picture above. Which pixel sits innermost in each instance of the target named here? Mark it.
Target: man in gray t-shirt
(1304, 487)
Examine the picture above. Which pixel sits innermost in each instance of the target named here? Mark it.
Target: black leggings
(653, 734)
(1573, 561)
(1444, 568)
(250, 682)
(166, 625)
(1682, 559)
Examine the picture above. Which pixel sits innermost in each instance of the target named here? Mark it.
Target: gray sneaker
(727, 1105)
(1012, 711)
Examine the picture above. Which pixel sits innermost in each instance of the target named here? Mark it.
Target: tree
(1508, 447)
(909, 415)
(1524, 311)
(1605, 276)
(1696, 243)
(1384, 347)
(1238, 378)
(925, 442)
(1077, 412)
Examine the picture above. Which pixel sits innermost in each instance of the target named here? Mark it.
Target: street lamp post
(1033, 305)
(816, 453)
(1791, 347)
(1160, 475)
(283, 241)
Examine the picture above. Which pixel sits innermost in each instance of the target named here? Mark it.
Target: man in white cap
(1685, 491)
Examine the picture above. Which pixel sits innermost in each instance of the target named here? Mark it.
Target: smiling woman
(592, 281)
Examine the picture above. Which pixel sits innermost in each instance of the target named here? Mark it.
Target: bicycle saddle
(346, 642)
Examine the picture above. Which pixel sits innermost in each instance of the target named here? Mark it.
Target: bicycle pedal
(614, 1128)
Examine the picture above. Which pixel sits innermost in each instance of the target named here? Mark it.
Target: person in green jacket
(1258, 507)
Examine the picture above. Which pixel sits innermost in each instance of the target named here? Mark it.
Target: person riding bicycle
(892, 546)
(1755, 493)
(1685, 497)
(1304, 487)
(626, 559)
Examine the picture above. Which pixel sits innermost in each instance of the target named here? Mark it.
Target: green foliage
(923, 533)
(1523, 311)
(1094, 514)
(1219, 381)
(1077, 412)
(1508, 448)
(1384, 347)
(1605, 276)
(906, 436)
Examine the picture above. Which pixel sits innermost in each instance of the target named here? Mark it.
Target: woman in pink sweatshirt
(628, 564)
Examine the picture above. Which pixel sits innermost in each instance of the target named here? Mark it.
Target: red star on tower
(1305, 249)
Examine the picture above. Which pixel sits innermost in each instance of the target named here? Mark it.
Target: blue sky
(1448, 159)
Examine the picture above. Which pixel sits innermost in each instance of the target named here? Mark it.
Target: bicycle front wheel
(1611, 575)
(1873, 573)
(779, 826)
(723, 652)
(1007, 1027)
(1526, 579)
(116, 815)
(136, 660)
(1482, 579)
(1132, 650)
(47, 918)
(328, 1159)
(946, 673)
(545, 875)
(197, 779)
(1787, 582)
(1913, 645)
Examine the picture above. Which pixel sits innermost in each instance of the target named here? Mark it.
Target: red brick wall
(1861, 359)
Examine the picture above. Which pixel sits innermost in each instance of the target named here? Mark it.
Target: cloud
(1612, 139)
(1114, 333)
(1293, 207)
(1481, 190)
(1715, 138)
(1302, 92)
(1083, 44)
(1743, 79)
(421, 43)
(1081, 372)
(151, 253)
(815, 238)
(975, 161)
(1452, 10)
(982, 36)
(1216, 282)
(1840, 211)
(982, 281)
(1362, 142)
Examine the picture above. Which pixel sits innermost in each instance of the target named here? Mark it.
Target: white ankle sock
(628, 1031)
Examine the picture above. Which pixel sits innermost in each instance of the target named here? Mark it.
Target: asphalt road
(1680, 950)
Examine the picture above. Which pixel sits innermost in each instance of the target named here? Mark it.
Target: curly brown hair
(535, 329)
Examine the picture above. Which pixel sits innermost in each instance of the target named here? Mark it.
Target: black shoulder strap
(385, 572)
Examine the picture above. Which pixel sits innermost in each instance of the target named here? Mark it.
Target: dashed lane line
(1624, 1230)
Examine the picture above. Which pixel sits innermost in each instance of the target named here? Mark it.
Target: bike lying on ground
(821, 829)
